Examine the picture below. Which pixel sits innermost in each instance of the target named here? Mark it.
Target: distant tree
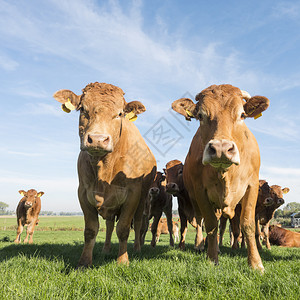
(3, 206)
(292, 207)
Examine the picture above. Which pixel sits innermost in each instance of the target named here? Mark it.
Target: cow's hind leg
(170, 228)
(199, 240)
(154, 229)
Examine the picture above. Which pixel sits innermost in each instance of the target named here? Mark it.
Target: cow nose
(172, 187)
(280, 201)
(101, 141)
(154, 190)
(268, 201)
(28, 204)
(221, 153)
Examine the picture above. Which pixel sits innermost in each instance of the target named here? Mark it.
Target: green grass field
(46, 269)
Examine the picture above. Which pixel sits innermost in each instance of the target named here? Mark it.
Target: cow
(268, 200)
(158, 201)
(175, 186)
(115, 166)
(27, 213)
(267, 213)
(162, 228)
(282, 237)
(221, 168)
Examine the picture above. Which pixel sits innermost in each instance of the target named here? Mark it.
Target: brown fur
(216, 190)
(27, 212)
(283, 237)
(175, 186)
(158, 201)
(115, 166)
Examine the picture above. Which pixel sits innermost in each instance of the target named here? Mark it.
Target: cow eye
(243, 116)
(179, 172)
(200, 117)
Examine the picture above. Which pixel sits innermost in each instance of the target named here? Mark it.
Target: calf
(27, 212)
(283, 237)
(158, 201)
(267, 213)
(175, 186)
(162, 228)
(222, 166)
(115, 166)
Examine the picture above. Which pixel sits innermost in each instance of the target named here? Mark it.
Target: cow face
(157, 184)
(265, 198)
(30, 197)
(277, 195)
(174, 180)
(221, 111)
(103, 111)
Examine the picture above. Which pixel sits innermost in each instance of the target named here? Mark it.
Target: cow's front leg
(29, 232)
(19, 231)
(110, 224)
(154, 229)
(137, 224)
(91, 229)
(265, 230)
(170, 228)
(222, 228)
(257, 234)
(248, 226)
(183, 228)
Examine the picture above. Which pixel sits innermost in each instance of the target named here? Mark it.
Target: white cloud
(7, 64)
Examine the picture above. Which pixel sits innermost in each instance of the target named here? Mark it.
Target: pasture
(46, 269)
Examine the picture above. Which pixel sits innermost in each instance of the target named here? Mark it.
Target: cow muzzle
(154, 191)
(172, 188)
(268, 201)
(221, 154)
(280, 201)
(28, 204)
(97, 144)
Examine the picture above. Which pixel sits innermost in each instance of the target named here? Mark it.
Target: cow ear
(22, 192)
(285, 190)
(40, 194)
(164, 170)
(255, 106)
(69, 100)
(185, 107)
(132, 109)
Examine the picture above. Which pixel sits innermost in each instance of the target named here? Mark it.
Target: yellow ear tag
(189, 113)
(63, 107)
(69, 105)
(131, 116)
(22, 194)
(258, 116)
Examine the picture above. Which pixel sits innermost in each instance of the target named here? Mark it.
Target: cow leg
(144, 229)
(138, 222)
(257, 234)
(248, 227)
(265, 229)
(183, 229)
(29, 232)
(236, 231)
(154, 229)
(19, 231)
(170, 228)
(91, 229)
(199, 240)
(110, 224)
(222, 228)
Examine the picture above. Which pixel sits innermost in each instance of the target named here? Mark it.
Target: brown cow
(283, 237)
(162, 228)
(158, 201)
(115, 166)
(27, 212)
(175, 186)
(267, 213)
(222, 166)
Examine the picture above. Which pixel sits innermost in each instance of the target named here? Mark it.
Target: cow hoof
(123, 259)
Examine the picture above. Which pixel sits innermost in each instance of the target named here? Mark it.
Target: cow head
(173, 171)
(277, 195)
(264, 194)
(30, 197)
(221, 110)
(157, 184)
(103, 110)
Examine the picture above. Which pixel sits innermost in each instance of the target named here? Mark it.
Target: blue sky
(157, 52)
